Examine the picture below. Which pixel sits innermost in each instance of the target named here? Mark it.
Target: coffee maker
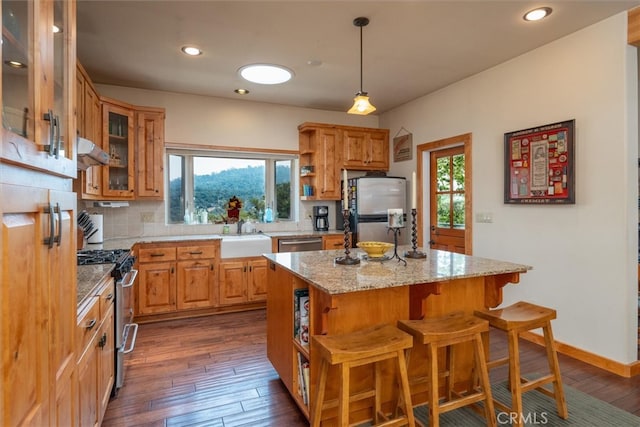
(321, 218)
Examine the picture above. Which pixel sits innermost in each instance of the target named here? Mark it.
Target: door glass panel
(458, 211)
(458, 172)
(60, 102)
(444, 174)
(118, 152)
(444, 211)
(17, 37)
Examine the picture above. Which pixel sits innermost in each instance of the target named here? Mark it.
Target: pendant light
(361, 104)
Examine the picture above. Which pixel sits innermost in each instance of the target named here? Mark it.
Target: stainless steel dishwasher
(300, 244)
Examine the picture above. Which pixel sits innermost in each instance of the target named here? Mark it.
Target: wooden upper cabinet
(321, 158)
(326, 149)
(38, 115)
(89, 183)
(150, 154)
(118, 177)
(366, 149)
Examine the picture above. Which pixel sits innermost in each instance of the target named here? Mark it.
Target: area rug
(540, 410)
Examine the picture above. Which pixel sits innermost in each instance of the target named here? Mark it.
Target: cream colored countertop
(89, 278)
(320, 270)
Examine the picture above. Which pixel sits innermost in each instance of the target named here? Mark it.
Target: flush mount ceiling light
(361, 104)
(191, 50)
(537, 14)
(266, 74)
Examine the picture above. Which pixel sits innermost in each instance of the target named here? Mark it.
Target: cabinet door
(24, 306)
(354, 148)
(335, 241)
(233, 283)
(150, 154)
(106, 355)
(62, 280)
(257, 280)
(88, 385)
(118, 178)
(328, 168)
(157, 288)
(196, 284)
(93, 125)
(377, 154)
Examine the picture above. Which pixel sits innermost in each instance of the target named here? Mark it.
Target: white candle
(413, 190)
(345, 189)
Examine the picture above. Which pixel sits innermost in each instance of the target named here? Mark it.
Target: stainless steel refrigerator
(369, 200)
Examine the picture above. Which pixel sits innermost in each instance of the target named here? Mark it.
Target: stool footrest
(537, 384)
(462, 401)
(333, 403)
(497, 362)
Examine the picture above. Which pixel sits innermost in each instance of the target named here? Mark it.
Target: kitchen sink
(244, 245)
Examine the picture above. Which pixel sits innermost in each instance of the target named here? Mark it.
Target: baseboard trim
(627, 371)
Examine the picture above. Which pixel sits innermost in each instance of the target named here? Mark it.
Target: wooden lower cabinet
(177, 276)
(334, 241)
(38, 315)
(95, 366)
(243, 280)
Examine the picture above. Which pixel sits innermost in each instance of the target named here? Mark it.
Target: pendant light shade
(361, 104)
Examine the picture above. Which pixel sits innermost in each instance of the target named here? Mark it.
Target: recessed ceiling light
(191, 50)
(537, 14)
(266, 74)
(56, 29)
(241, 91)
(15, 64)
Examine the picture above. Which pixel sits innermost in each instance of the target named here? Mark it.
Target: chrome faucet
(240, 224)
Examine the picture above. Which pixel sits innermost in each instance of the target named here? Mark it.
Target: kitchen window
(201, 183)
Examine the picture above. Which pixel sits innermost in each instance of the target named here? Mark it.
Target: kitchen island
(345, 298)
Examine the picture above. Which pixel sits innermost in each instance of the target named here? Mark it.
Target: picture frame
(539, 165)
(403, 147)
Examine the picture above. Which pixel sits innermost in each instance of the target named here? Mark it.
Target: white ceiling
(411, 48)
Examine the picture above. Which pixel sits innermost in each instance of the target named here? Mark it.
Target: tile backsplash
(147, 218)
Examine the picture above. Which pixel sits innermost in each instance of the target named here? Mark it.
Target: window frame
(271, 157)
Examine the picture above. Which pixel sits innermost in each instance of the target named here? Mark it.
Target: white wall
(584, 256)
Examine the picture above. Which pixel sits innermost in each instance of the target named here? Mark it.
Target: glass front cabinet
(38, 116)
(118, 178)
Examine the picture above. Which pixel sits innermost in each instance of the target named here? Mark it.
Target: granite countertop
(308, 233)
(89, 277)
(319, 269)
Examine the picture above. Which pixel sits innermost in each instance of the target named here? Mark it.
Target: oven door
(126, 330)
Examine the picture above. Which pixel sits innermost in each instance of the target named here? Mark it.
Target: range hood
(89, 154)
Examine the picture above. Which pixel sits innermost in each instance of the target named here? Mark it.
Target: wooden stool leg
(432, 363)
(554, 367)
(483, 374)
(450, 354)
(514, 379)
(405, 391)
(322, 382)
(343, 397)
(377, 410)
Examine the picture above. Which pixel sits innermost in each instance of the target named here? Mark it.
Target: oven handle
(127, 329)
(132, 278)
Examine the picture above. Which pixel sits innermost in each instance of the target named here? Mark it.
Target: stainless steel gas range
(124, 276)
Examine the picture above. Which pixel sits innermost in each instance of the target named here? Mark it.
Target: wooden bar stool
(515, 319)
(446, 332)
(363, 347)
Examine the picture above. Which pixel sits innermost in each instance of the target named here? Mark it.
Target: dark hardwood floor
(213, 371)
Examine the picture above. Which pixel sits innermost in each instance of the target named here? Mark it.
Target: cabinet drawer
(107, 296)
(196, 252)
(157, 254)
(88, 324)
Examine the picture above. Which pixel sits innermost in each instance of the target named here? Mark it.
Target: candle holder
(396, 231)
(414, 239)
(347, 259)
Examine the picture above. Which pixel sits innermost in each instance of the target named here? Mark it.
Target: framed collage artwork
(539, 165)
